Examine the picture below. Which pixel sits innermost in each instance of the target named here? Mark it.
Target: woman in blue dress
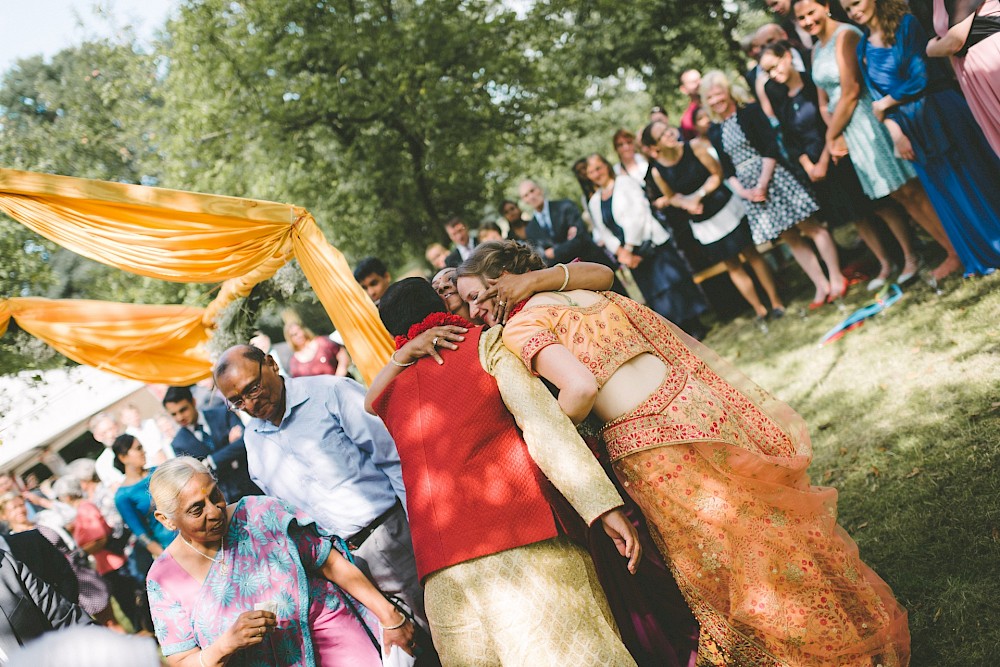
(931, 126)
(847, 109)
(136, 505)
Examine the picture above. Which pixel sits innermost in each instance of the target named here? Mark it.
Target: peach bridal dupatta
(718, 468)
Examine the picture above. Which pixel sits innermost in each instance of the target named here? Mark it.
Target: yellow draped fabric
(190, 237)
(163, 344)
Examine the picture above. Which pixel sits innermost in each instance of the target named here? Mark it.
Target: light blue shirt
(328, 457)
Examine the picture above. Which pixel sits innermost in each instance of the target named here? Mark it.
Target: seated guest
(91, 534)
(489, 231)
(499, 578)
(464, 242)
(314, 355)
(372, 275)
(558, 229)
(257, 582)
(214, 436)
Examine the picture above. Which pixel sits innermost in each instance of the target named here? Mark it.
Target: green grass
(905, 419)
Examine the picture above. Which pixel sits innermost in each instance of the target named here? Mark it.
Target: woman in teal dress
(846, 108)
(134, 503)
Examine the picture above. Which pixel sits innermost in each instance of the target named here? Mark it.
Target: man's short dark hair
(407, 302)
(177, 395)
(453, 222)
(368, 266)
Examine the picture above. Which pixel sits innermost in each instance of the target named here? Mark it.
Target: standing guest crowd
(547, 472)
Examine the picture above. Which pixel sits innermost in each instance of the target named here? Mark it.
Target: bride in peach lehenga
(717, 466)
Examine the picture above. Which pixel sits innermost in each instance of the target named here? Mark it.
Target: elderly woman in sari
(718, 468)
(257, 583)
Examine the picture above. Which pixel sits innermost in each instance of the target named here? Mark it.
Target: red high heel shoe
(836, 297)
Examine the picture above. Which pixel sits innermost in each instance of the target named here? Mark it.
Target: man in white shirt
(312, 444)
(464, 241)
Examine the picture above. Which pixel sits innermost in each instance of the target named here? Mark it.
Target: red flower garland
(429, 322)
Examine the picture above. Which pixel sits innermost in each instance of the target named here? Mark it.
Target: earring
(829, 15)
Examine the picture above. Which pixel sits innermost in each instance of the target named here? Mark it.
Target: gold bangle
(565, 277)
(392, 358)
(398, 625)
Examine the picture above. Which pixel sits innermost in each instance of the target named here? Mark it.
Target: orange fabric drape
(190, 237)
(163, 344)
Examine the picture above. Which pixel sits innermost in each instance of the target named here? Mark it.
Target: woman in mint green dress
(851, 126)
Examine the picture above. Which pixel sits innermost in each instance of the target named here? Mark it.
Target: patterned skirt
(756, 550)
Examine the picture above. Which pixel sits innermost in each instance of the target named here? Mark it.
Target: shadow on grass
(905, 414)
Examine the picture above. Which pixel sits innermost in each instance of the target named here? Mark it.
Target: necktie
(544, 219)
(199, 432)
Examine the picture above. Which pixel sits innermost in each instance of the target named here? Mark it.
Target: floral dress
(788, 201)
(271, 554)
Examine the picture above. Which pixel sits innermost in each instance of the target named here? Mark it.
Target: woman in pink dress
(969, 32)
(257, 583)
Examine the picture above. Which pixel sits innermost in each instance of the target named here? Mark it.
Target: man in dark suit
(464, 242)
(214, 436)
(557, 230)
(29, 606)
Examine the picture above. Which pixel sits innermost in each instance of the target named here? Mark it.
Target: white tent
(41, 409)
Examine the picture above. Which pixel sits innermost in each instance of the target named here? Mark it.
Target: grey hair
(168, 480)
(84, 470)
(67, 486)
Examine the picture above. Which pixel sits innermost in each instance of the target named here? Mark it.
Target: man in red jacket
(502, 585)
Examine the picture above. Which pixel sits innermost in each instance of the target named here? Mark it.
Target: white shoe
(910, 275)
(876, 284)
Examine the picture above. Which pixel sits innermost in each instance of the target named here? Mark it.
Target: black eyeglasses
(251, 393)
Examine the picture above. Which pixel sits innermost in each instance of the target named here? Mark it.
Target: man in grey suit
(557, 230)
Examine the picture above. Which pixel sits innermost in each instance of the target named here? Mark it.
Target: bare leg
(900, 229)
(764, 275)
(914, 199)
(744, 283)
(804, 255)
(866, 230)
(827, 249)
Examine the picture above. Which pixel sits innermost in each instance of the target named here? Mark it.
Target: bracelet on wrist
(398, 625)
(392, 358)
(565, 276)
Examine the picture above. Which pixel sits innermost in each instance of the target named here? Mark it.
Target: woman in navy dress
(932, 127)
(842, 198)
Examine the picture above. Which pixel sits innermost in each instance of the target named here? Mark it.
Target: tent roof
(52, 408)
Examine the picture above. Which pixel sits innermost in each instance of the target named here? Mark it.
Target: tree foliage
(383, 117)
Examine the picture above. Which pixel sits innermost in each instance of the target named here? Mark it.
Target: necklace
(221, 562)
(569, 301)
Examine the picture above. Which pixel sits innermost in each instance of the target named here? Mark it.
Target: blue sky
(30, 27)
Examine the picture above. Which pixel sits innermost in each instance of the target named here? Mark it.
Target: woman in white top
(630, 162)
(624, 224)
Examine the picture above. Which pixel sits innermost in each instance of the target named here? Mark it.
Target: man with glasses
(214, 436)
(312, 444)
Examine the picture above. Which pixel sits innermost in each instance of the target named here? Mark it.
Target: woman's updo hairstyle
(170, 477)
(121, 447)
(491, 259)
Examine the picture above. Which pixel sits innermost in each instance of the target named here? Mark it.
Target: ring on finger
(435, 341)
